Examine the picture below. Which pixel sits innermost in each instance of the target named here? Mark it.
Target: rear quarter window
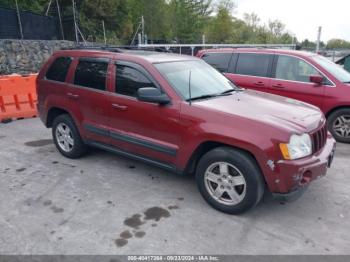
(219, 61)
(59, 69)
(253, 64)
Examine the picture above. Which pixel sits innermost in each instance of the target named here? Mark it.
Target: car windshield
(203, 80)
(338, 72)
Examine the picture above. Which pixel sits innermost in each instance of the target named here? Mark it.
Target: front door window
(294, 69)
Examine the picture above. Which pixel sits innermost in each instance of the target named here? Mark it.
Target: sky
(303, 17)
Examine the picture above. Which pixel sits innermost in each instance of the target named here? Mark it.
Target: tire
(71, 145)
(241, 179)
(339, 125)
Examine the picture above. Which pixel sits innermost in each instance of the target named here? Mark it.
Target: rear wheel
(67, 138)
(229, 180)
(339, 125)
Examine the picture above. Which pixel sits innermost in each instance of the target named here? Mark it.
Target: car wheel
(67, 138)
(339, 125)
(229, 180)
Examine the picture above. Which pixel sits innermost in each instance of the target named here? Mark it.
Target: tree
(276, 28)
(37, 6)
(114, 13)
(182, 21)
(188, 19)
(252, 20)
(221, 27)
(156, 17)
(338, 44)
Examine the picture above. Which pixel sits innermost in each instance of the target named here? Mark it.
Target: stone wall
(27, 56)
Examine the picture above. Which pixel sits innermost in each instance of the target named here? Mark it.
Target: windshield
(205, 81)
(338, 72)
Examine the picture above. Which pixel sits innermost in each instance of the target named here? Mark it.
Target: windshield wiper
(346, 82)
(225, 93)
(228, 91)
(202, 97)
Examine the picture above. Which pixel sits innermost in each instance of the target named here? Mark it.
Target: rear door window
(59, 69)
(91, 73)
(254, 64)
(219, 61)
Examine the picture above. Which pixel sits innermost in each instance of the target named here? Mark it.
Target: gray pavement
(53, 205)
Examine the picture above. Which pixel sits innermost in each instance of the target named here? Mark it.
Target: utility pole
(75, 23)
(104, 31)
(142, 29)
(139, 39)
(19, 20)
(60, 18)
(48, 8)
(294, 42)
(318, 39)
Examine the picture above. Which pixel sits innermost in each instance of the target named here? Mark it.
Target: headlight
(298, 147)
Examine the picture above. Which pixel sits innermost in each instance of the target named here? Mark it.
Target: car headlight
(298, 147)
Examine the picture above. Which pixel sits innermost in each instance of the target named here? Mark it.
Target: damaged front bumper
(296, 175)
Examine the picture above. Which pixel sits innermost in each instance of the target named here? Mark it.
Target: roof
(258, 50)
(150, 56)
(155, 57)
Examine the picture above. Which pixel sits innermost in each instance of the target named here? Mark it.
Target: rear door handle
(278, 86)
(74, 96)
(119, 107)
(259, 83)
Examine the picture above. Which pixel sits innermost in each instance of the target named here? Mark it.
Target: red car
(299, 75)
(180, 114)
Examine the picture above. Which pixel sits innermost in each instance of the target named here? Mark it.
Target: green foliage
(338, 44)
(155, 14)
(114, 13)
(220, 28)
(180, 21)
(27, 5)
(187, 19)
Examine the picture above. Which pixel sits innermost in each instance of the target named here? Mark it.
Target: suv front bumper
(296, 175)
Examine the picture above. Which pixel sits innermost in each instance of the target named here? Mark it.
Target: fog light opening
(306, 178)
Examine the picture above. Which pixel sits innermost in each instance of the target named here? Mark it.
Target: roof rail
(119, 49)
(106, 48)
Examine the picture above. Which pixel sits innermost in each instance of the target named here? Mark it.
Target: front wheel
(339, 125)
(229, 180)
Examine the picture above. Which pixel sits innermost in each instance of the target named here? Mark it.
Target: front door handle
(278, 86)
(74, 96)
(259, 83)
(119, 107)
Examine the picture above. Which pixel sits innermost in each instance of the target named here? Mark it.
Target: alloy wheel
(225, 183)
(64, 137)
(341, 126)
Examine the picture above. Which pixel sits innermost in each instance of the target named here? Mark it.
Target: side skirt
(141, 158)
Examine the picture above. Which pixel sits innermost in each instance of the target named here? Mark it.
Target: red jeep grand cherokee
(299, 75)
(179, 113)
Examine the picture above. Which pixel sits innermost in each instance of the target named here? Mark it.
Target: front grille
(319, 139)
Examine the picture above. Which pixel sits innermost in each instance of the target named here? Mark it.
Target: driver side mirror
(318, 80)
(152, 95)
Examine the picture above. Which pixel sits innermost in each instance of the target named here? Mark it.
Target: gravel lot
(105, 204)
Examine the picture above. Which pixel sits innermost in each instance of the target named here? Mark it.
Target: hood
(289, 114)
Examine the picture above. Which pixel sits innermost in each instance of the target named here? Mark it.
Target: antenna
(189, 86)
